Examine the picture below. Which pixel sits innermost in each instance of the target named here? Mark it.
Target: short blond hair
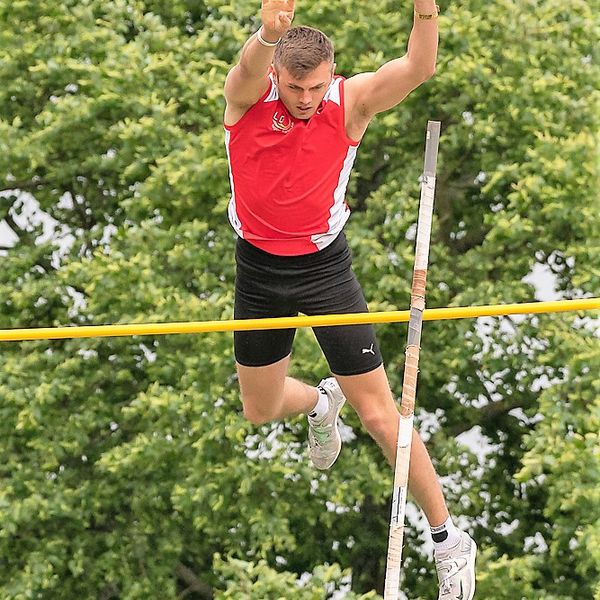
(301, 50)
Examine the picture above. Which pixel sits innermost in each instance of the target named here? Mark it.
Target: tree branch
(194, 584)
(24, 185)
(486, 414)
(110, 591)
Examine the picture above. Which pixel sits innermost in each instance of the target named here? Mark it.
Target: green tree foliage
(128, 470)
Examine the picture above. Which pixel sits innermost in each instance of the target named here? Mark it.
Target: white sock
(321, 407)
(445, 536)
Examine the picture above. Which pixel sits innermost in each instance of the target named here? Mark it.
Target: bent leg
(371, 397)
(268, 394)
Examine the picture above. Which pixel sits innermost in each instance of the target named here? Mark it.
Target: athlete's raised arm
(371, 93)
(248, 80)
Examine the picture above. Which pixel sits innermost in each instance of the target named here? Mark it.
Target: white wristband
(264, 42)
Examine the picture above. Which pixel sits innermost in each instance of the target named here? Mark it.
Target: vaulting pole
(411, 365)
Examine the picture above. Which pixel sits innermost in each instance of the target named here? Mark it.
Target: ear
(333, 66)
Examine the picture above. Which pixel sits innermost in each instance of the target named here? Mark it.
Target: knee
(380, 423)
(256, 416)
(257, 411)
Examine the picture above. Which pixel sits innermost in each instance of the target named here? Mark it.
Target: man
(292, 129)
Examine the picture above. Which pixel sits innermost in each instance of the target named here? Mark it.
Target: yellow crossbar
(398, 316)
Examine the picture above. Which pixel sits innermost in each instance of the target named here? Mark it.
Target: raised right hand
(277, 17)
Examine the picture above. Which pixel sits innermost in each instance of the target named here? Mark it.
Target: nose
(305, 98)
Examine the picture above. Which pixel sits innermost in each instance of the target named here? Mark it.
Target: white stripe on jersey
(274, 93)
(333, 92)
(339, 212)
(231, 210)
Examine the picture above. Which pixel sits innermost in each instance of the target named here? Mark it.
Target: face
(303, 96)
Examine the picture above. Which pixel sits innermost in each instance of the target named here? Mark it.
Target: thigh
(370, 394)
(263, 386)
(262, 347)
(349, 349)
(257, 298)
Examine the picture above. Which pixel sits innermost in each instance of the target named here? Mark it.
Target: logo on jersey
(282, 122)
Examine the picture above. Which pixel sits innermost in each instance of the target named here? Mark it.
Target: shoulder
(235, 111)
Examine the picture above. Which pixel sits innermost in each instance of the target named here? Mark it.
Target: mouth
(304, 110)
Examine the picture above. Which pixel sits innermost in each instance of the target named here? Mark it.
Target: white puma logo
(369, 350)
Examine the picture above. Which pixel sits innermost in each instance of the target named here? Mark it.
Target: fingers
(285, 20)
(275, 5)
(277, 15)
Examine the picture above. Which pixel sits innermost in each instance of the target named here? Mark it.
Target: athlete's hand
(277, 17)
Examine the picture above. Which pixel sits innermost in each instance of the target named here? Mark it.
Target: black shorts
(320, 283)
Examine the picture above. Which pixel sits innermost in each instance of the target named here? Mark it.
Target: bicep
(243, 91)
(385, 88)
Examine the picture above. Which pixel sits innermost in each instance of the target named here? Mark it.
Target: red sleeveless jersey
(289, 176)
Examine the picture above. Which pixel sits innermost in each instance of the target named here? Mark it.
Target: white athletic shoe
(324, 439)
(456, 570)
